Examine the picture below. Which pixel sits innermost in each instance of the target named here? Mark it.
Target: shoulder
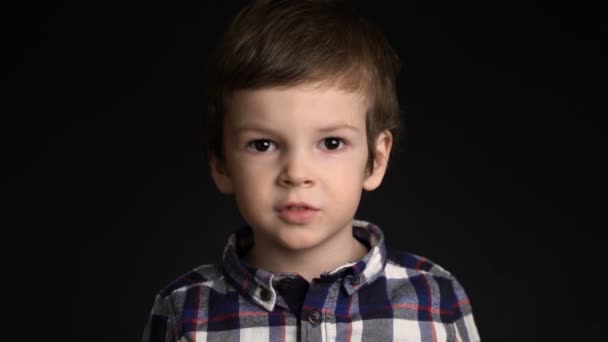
(413, 278)
(201, 276)
(414, 264)
(426, 276)
(423, 272)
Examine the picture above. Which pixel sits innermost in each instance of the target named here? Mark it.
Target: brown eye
(261, 145)
(332, 143)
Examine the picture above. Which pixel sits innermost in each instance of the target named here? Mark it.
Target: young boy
(301, 117)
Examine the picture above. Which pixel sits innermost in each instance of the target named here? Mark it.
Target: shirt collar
(256, 284)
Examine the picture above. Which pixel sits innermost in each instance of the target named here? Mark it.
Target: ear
(384, 142)
(220, 175)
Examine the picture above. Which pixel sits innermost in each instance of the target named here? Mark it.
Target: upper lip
(296, 204)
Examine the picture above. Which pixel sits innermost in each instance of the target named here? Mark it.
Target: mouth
(293, 206)
(297, 213)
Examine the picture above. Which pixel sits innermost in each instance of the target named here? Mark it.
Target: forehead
(308, 104)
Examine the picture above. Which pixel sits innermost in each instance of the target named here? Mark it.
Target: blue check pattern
(386, 296)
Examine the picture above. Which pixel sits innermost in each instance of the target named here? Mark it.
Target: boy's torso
(387, 296)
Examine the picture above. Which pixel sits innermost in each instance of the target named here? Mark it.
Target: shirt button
(265, 295)
(355, 280)
(314, 317)
(285, 284)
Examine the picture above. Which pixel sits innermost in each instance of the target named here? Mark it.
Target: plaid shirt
(386, 296)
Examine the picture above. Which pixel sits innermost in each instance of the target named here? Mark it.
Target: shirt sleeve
(464, 322)
(160, 326)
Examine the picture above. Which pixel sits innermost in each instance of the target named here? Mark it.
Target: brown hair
(291, 42)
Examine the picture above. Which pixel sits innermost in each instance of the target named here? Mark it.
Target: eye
(333, 143)
(261, 145)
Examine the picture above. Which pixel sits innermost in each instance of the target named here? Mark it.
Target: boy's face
(302, 144)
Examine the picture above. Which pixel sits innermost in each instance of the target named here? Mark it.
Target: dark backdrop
(499, 178)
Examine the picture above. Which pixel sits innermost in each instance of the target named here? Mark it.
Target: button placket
(312, 314)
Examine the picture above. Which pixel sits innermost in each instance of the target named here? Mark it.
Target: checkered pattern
(386, 296)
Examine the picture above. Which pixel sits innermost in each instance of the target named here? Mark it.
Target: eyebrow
(328, 129)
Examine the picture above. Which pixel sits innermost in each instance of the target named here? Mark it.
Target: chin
(299, 239)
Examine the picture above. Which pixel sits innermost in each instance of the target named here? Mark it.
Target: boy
(301, 117)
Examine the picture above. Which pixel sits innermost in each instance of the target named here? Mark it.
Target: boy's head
(285, 43)
(285, 80)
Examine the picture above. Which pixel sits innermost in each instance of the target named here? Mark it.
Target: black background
(499, 178)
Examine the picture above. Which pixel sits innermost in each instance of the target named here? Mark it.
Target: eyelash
(341, 140)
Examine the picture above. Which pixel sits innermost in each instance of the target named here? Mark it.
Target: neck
(308, 263)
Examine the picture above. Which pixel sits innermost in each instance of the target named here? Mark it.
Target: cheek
(252, 182)
(351, 166)
(346, 176)
(252, 194)
(345, 182)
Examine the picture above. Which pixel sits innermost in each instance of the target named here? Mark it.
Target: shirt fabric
(385, 296)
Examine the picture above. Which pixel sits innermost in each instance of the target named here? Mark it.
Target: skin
(289, 158)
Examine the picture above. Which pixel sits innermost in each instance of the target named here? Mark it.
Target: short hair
(281, 43)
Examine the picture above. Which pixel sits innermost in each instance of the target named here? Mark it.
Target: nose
(296, 170)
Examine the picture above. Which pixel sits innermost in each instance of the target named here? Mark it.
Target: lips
(296, 206)
(297, 212)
